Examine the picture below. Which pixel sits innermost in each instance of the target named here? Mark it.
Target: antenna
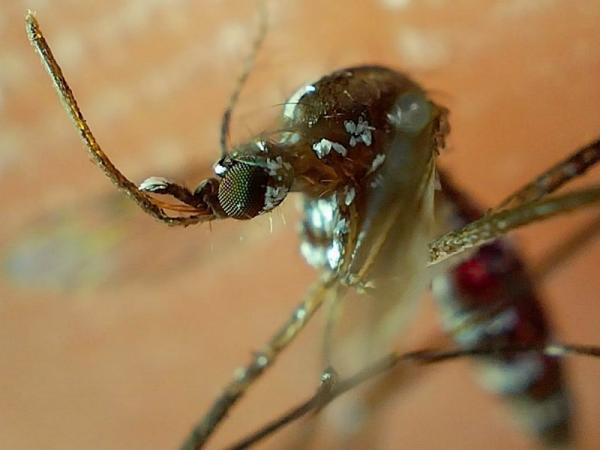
(248, 66)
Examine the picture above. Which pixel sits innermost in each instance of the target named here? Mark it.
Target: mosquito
(360, 145)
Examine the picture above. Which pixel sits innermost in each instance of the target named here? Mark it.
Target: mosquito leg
(529, 198)
(204, 194)
(392, 384)
(548, 349)
(333, 312)
(549, 181)
(164, 186)
(67, 98)
(390, 362)
(245, 376)
(499, 223)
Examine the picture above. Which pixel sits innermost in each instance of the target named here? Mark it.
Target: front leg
(204, 197)
(247, 375)
(164, 186)
(65, 94)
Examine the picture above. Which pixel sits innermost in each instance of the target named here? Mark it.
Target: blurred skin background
(116, 332)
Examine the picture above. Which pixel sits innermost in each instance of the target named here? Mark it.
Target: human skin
(117, 332)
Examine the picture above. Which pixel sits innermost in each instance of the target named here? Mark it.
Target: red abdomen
(490, 300)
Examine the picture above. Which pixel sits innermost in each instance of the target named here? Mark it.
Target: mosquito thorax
(365, 140)
(252, 181)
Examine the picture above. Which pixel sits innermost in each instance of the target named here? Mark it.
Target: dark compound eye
(242, 191)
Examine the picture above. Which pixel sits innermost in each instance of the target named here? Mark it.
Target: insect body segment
(350, 125)
(489, 301)
(348, 119)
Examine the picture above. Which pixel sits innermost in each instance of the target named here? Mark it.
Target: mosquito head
(252, 184)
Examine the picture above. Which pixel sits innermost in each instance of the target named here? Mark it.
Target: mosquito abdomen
(489, 300)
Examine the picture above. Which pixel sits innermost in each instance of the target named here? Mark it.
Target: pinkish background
(116, 332)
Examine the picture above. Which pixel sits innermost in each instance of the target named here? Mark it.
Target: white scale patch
(324, 147)
(349, 195)
(322, 215)
(273, 197)
(512, 377)
(314, 255)
(359, 132)
(278, 168)
(274, 165)
(555, 350)
(334, 254)
(466, 327)
(154, 184)
(467, 332)
(324, 222)
(289, 109)
(261, 145)
(288, 137)
(377, 162)
(219, 169)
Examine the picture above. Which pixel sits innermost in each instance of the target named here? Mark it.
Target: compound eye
(243, 190)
